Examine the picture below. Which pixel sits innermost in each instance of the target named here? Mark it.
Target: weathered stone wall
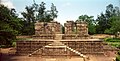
(47, 28)
(74, 36)
(72, 27)
(69, 27)
(81, 28)
(26, 47)
(75, 30)
(55, 52)
(85, 47)
(44, 36)
(39, 28)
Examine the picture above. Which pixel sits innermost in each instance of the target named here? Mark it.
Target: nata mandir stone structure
(76, 30)
(47, 30)
(72, 27)
(49, 41)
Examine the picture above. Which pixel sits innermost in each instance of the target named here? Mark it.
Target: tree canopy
(36, 12)
(43, 15)
(108, 22)
(11, 25)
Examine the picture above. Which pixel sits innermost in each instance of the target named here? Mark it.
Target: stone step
(58, 45)
(75, 52)
(58, 37)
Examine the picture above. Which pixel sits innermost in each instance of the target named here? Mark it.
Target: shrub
(118, 52)
(118, 58)
(112, 39)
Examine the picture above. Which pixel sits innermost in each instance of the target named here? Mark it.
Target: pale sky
(67, 9)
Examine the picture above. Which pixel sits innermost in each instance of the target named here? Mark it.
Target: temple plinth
(49, 40)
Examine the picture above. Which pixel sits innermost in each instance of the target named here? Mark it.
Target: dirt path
(7, 57)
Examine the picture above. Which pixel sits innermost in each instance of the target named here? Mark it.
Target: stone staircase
(57, 45)
(37, 52)
(75, 51)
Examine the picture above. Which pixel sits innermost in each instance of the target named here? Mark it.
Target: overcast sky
(67, 9)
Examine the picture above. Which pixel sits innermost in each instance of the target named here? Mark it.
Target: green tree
(36, 12)
(9, 25)
(29, 15)
(102, 23)
(41, 12)
(46, 15)
(107, 19)
(118, 56)
(115, 25)
(28, 21)
(53, 11)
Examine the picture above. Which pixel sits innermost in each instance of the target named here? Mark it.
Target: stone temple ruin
(49, 41)
(45, 30)
(76, 30)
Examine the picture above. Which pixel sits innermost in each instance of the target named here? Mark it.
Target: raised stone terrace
(49, 41)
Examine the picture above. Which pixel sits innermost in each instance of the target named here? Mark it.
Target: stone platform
(84, 46)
